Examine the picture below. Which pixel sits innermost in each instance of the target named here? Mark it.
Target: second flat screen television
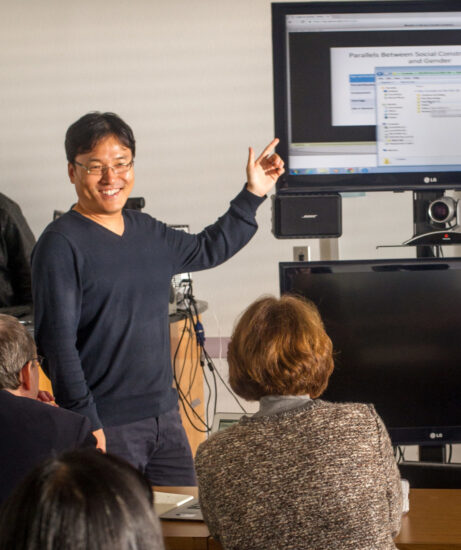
(396, 332)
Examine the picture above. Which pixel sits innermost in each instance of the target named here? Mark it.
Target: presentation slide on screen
(353, 70)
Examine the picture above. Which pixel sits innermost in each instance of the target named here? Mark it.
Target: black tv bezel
(337, 183)
(403, 435)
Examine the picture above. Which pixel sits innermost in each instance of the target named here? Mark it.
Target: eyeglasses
(100, 169)
(39, 359)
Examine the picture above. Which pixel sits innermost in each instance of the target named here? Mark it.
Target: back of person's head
(17, 347)
(279, 347)
(87, 131)
(82, 500)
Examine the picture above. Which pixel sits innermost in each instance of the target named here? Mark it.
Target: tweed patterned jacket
(318, 477)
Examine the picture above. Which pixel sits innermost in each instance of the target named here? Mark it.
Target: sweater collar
(273, 404)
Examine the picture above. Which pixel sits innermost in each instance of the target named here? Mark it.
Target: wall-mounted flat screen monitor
(395, 328)
(367, 95)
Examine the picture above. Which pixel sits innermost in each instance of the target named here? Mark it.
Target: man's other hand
(46, 397)
(100, 439)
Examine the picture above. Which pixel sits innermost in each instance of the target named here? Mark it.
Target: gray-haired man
(31, 429)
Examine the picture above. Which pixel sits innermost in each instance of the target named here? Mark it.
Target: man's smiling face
(104, 193)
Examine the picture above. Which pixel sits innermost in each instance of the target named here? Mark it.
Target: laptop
(188, 511)
(191, 510)
(221, 421)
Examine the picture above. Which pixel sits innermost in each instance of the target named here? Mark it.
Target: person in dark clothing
(16, 244)
(31, 428)
(101, 277)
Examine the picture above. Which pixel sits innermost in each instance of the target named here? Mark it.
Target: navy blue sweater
(101, 306)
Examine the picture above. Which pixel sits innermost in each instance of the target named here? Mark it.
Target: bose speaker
(297, 216)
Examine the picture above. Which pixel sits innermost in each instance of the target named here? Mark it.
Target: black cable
(450, 452)
(212, 369)
(188, 350)
(211, 392)
(184, 357)
(182, 396)
(208, 358)
(210, 363)
(399, 454)
(196, 361)
(215, 385)
(177, 349)
(191, 310)
(207, 408)
(184, 401)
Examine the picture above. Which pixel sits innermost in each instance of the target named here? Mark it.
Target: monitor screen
(367, 95)
(395, 328)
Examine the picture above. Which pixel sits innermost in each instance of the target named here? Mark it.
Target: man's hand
(263, 172)
(46, 397)
(100, 439)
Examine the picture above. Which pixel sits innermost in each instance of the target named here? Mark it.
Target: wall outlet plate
(301, 254)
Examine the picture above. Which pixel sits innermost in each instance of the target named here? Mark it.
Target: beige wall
(194, 79)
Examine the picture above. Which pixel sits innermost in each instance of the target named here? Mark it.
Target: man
(16, 243)
(30, 430)
(101, 278)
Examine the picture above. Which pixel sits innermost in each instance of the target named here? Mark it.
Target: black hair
(84, 134)
(82, 500)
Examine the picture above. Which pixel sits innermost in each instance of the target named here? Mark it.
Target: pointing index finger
(271, 146)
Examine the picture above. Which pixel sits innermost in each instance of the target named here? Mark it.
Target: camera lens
(439, 211)
(442, 210)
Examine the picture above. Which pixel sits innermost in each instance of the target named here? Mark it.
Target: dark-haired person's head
(100, 149)
(87, 131)
(82, 500)
(279, 347)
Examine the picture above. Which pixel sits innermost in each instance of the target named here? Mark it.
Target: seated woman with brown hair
(301, 473)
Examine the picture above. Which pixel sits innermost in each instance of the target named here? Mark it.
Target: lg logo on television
(435, 435)
(427, 179)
